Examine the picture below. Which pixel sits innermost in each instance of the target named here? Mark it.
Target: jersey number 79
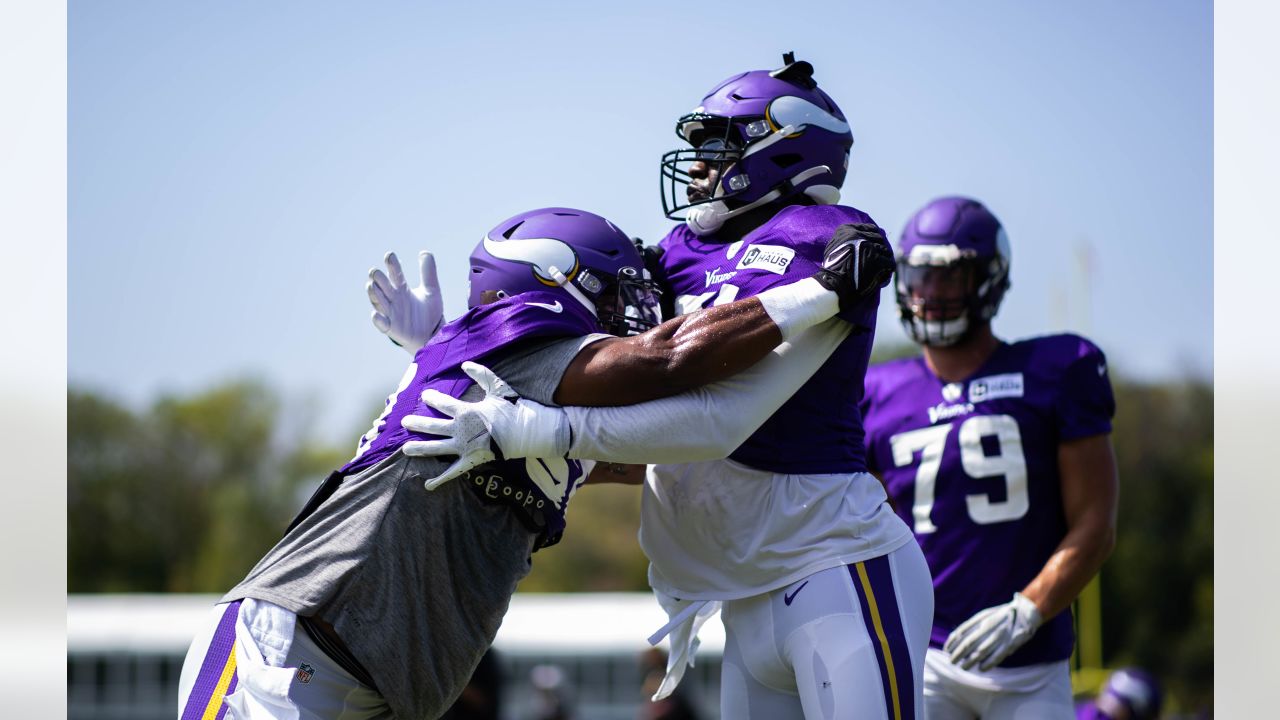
(1008, 462)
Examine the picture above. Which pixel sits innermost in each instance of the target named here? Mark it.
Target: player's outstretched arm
(708, 422)
(713, 344)
(682, 354)
(409, 317)
(1087, 469)
(673, 429)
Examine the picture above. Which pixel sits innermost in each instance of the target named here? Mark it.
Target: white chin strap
(707, 218)
(569, 288)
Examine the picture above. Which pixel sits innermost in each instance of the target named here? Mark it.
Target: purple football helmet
(953, 270)
(769, 135)
(577, 252)
(1129, 694)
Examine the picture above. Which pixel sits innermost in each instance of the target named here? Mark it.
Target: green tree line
(186, 494)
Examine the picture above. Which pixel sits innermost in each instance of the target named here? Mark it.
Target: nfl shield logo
(305, 672)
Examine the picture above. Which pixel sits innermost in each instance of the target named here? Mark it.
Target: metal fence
(126, 686)
(125, 654)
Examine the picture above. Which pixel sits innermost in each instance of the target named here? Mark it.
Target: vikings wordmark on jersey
(972, 467)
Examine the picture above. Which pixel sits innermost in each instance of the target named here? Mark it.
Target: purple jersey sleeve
(479, 335)
(819, 430)
(1085, 403)
(812, 229)
(487, 334)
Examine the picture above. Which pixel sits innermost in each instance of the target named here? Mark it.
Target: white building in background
(124, 652)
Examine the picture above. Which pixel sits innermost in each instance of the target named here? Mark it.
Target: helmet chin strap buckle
(706, 219)
(568, 287)
(709, 217)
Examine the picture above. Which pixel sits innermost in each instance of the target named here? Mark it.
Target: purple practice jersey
(972, 467)
(819, 429)
(539, 489)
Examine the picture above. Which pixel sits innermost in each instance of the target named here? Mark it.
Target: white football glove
(501, 426)
(408, 316)
(993, 634)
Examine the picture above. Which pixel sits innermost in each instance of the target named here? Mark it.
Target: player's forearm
(1073, 564)
(709, 422)
(1087, 472)
(694, 350)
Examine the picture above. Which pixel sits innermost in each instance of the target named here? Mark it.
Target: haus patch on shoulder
(992, 387)
(773, 258)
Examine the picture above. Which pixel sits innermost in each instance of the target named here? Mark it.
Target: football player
(998, 455)
(826, 600)
(1128, 694)
(382, 597)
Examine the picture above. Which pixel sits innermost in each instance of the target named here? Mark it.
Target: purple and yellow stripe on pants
(873, 580)
(217, 677)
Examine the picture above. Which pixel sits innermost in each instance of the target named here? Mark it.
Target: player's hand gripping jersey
(972, 467)
(538, 488)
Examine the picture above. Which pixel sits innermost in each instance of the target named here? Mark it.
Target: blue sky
(235, 168)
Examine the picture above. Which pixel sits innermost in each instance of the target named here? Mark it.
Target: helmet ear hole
(786, 160)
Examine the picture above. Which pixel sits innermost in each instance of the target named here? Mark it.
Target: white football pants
(848, 643)
(1035, 692)
(248, 663)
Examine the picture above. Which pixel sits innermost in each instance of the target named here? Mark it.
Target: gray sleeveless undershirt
(416, 583)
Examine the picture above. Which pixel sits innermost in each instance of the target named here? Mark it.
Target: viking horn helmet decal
(540, 253)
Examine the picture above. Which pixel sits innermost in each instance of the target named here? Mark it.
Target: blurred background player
(675, 706)
(346, 617)
(1128, 694)
(826, 599)
(998, 455)
(552, 697)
